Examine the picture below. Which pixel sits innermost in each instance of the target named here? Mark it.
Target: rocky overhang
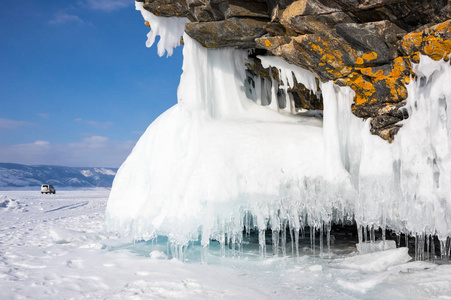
(368, 45)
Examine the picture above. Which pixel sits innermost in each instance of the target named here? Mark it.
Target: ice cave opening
(237, 158)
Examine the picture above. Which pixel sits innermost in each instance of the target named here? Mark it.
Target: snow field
(55, 246)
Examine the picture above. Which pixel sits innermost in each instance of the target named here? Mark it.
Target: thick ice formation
(218, 162)
(216, 155)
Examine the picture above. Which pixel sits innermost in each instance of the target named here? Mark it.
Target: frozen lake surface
(55, 247)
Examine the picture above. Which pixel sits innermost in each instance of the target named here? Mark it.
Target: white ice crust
(217, 162)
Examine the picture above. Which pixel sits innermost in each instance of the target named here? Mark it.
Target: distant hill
(16, 175)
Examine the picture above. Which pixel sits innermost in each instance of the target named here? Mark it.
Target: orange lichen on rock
(398, 90)
(434, 42)
(328, 55)
(147, 24)
(325, 51)
(366, 57)
(370, 72)
(272, 43)
(364, 90)
(437, 48)
(369, 56)
(340, 71)
(391, 80)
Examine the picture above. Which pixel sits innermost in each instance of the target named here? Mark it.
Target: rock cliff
(368, 45)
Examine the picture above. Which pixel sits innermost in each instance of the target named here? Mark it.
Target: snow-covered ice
(55, 246)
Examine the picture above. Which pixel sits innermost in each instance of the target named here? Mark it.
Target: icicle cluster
(217, 163)
(169, 29)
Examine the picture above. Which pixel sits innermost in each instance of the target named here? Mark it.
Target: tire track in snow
(70, 206)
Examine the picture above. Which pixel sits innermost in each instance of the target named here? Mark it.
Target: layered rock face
(368, 45)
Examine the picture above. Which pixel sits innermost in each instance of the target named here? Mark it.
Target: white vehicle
(48, 189)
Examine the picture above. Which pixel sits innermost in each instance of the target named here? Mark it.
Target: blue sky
(77, 84)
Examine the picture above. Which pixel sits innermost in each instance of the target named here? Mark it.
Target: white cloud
(103, 125)
(96, 140)
(62, 18)
(106, 5)
(94, 151)
(6, 124)
(41, 143)
(44, 115)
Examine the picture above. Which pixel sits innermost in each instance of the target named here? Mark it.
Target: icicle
(222, 243)
(359, 233)
(296, 238)
(275, 228)
(312, 237)
(204, 253)
(174, 251)
(321, 239)
(445, 249)
(428, 256)
(416, 246)
(312, 241)
(328, 238)
(365, 233)
(291, 240)
(432, 248)
(262, 242)
(259, 90)
(287, 107)
(233, 245)
(372, 234)
(284, 238)
(448, 247)
(240, 245)
(181, 252)
(275, 242)
(274, 105)
(247, 222)
(422, 237)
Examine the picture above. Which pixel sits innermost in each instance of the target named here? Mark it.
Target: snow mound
(4, 201)
(158, 255)
(374, 262)
(66, 236)
(11, 204)
(370, 247)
